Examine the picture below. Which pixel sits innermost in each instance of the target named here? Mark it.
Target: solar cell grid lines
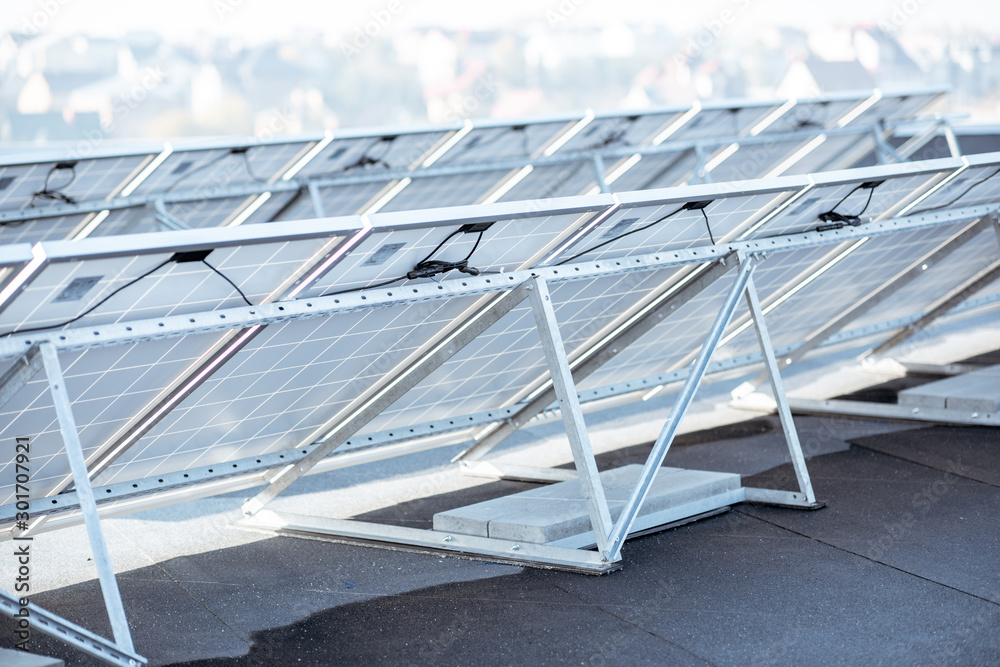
(395, 243)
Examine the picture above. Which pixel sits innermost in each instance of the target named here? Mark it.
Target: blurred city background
(79, 70)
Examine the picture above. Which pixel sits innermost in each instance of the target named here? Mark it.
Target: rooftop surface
(899, 568)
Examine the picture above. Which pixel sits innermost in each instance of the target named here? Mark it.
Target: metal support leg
(317, 200)
(165, 218)
(885, 149)
(953, 147)
(599, 172)
(784, 413)
(699, 175)
(666, 437)
(74, 452)
(569, 404)
(389, 395)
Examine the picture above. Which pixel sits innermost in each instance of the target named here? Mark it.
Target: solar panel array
(205, 184)
(225, 347)
(283, 386)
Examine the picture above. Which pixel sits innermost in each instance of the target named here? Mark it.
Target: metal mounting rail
(86, 337)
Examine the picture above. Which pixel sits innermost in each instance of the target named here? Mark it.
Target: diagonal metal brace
(390, 394)
(684, 399)
(569, 404)
(85, 493)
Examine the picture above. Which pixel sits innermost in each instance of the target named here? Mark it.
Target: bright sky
(260, 20)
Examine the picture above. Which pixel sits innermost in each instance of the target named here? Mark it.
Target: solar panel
(216, 353)
(511, 238)
(972, 258)
(486, 142)
(221, 167)
(64, 181)
(226, 183)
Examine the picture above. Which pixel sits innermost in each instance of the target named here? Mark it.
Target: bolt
(516, 547)
(448, 538)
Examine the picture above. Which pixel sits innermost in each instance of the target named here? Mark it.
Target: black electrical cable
(708, 225)
(492, 139)
(384, 283)
(246, 163)
(128, 284)
(367, 159)
(208, 163)
(956, 197)
(92, 308)
(838, 220)
(427, 267)
(611, 138)
(226, 278)
(621, 236)
(56, 194)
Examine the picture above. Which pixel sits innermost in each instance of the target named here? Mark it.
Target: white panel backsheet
(62, 290)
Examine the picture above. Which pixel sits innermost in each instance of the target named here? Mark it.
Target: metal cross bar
(662, 445)
(920, 139)
(953, 147)
(569, 404)
(630, 332)
(74, 452)
(894, 411)
(381, 401)
(91, 336)
(56, 626)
